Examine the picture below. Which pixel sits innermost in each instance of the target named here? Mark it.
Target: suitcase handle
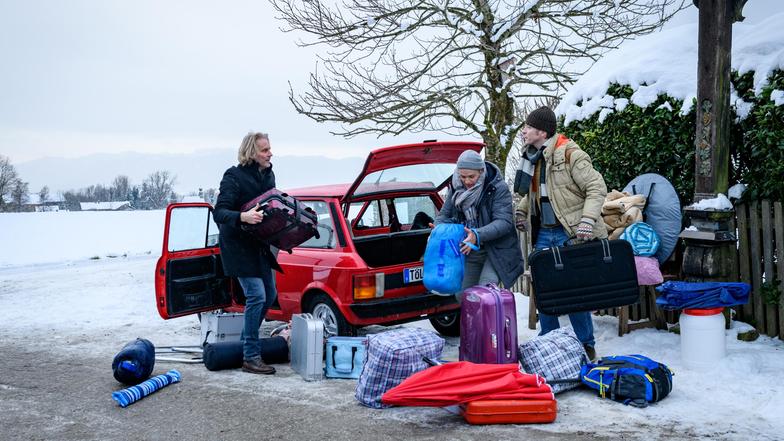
(557, 258)
(341, 370)
(507, 337)
(606, 254)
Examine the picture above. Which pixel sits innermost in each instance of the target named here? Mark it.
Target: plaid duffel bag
(556, 356)
(391, 357)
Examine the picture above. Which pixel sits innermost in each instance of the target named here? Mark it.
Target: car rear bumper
(401, 309)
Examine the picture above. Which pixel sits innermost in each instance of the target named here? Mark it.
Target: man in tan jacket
(562, 197)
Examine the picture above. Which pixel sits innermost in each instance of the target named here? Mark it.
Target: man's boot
(590, 351)
(256, 366)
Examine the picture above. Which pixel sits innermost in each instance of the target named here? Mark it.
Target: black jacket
(497, 233)
(242, 255)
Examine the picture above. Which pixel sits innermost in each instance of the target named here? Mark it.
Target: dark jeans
(260, 293)
(478, 271)
(582, 323)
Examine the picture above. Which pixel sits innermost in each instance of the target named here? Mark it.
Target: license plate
(411, 275)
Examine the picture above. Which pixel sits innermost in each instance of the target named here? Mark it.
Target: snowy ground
(84, 309)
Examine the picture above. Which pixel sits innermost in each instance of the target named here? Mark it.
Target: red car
(365, 268)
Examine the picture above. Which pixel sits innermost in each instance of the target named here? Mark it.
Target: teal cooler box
(345, 356)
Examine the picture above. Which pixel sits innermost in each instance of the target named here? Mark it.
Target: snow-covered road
(84, 311)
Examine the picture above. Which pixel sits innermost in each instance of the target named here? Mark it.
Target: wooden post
(713, 95)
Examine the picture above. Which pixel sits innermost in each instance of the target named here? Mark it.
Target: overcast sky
(89, 76)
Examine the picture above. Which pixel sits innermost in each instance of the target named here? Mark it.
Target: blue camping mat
(682, 295)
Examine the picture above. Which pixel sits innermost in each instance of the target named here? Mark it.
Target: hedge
(659, 139)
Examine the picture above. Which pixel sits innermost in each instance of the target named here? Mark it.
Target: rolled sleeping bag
(228, 354)
(135, 362)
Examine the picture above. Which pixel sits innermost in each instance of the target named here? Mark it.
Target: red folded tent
(461, 382)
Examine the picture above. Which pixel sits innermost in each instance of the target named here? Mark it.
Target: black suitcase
(593, 275)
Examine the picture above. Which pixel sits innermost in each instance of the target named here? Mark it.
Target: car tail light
(368, 286)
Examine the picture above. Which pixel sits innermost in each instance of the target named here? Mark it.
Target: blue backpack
(630, 379)
(443, 272)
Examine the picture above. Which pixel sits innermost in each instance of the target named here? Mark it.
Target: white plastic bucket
(703, 341)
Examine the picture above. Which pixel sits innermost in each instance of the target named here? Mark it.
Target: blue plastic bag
(444, 262)
(644, 240)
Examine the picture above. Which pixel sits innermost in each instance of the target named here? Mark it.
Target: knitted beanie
(471, 160)
(543, 119)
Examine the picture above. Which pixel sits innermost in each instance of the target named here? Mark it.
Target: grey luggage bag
(307, 346)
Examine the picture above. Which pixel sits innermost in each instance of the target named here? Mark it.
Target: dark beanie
(543, 119)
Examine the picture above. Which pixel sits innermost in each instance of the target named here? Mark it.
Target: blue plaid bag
(391, 357)
(557, 356)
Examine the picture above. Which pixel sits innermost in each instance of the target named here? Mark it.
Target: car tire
(447, 325)
(321, 306)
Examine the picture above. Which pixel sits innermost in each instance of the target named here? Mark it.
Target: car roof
(332, 190)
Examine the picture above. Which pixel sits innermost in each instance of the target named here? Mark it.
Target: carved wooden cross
(713, 95)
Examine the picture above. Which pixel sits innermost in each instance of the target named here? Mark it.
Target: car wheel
(448, 324)
(324, 308)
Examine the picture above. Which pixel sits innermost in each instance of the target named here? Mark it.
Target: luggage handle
(342, 370)
(557, 258)
(431, 362)
(508, 337)
(606, 254)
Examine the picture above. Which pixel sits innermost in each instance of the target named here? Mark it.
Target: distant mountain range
(202, 169)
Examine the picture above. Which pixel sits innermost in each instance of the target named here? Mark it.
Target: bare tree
(20, 194)
(43, 194)
(457, 66)
(210, 195)
(8, 177)
(157, 189)
(120, 188)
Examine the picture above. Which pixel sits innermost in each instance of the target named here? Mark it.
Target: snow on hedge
(666, 63)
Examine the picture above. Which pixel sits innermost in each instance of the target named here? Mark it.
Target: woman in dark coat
(481, 200)
(250, 261)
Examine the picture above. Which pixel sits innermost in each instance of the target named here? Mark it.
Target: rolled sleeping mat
(228, 354)
(135, 362)
(132, 394)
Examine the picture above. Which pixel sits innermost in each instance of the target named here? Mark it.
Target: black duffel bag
(228, 354)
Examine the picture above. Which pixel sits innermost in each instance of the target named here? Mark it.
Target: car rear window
(425, 177)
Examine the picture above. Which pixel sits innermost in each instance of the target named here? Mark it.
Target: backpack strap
(568, 154)
(560, 142)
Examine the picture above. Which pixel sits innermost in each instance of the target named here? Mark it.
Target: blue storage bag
(345, 356)
(443, 273)
(644, 240)
(135, 362)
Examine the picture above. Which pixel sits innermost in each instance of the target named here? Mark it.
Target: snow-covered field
(53, 289)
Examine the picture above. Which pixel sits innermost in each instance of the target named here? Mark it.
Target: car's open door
(189, 275)
(422, 167)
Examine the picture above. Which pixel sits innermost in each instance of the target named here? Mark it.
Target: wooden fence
(760, 227)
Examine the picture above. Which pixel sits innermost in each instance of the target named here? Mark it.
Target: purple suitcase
(287, 222)
(488, 325)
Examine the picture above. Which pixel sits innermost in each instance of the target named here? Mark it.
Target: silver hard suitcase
(307, 346)
(218, 326)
